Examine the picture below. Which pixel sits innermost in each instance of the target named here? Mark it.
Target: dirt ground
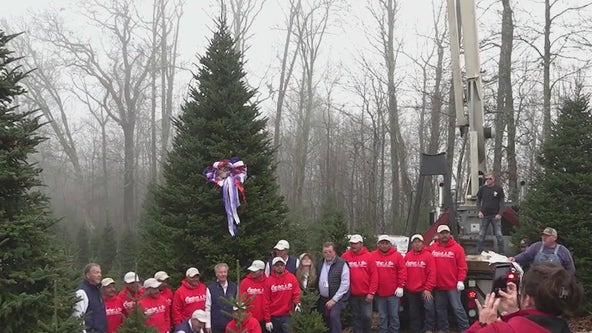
(582, 324)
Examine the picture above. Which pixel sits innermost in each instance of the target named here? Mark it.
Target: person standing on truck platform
(421, 277)
(451, 268)
(364, 281)
(490, 203)
(547, 250)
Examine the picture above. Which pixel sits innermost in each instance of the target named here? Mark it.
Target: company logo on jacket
(281, 287)
(195, 299)
(358, 264)
(415, 263)
(254, 291)
(114, 311)
(443, 254)
(384, 264)
(154, 309)
(128, 304)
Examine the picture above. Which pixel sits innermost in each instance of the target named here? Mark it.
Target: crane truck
(461, 213)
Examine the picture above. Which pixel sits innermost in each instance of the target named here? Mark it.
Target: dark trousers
(361, 312)
(420, 311)
(281, 324)
(332, 317)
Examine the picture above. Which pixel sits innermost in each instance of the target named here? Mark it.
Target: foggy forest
(353, 93)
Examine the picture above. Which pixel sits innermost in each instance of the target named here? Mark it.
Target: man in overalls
(547, 250)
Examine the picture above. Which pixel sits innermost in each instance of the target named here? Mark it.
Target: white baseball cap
(161, 275)
(200, 315)
(107, 281)
(417, 236)
(282, 245)
(152, 283)
(443, 227)
(131, 277)
(277, 259)
(356, 239)
(191, 272)
(384, 238)
(257, 265)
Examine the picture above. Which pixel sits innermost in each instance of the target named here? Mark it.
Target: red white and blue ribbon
(230, 176)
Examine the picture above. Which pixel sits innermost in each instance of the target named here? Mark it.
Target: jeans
(416, 303)
(453, 296)
(497, 231)
(281, 324)
(388, 309)
(333, 317)
(361, 312)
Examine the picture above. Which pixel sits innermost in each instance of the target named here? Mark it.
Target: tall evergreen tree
(561, 195)
(36, 286)
(186, 222)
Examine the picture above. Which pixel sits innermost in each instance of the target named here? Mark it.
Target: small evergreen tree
(185, 222)
(308, 320)
(107, 249)
(83, 254)
(36, 285)
(331, 226)
(127, 254)
(561, 195)
(135, 322)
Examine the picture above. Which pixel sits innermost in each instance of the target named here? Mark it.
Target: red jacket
(155, 310)
(249, 325)
(363, 275)
(450, 264)
(255, 289)
(167, 293)
(128, 299)
(421, 271)
(518, 323)
(187, 299)
(391, 271)
(114, 309)
(281, 292)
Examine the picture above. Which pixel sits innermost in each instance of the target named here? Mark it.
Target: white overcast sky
(342, 46)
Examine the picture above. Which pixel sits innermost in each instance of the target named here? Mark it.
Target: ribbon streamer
(230, 176)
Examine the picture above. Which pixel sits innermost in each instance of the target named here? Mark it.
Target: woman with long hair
(547, 293)
(306, 272)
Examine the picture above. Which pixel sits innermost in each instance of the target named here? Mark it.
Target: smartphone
(504, 273)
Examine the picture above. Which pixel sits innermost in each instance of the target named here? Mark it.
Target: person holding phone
(548, 292)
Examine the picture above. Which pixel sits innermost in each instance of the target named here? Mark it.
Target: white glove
(297, 308)
(269, 327)
(399, 292)
(460, 286)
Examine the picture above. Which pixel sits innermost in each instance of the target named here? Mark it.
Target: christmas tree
(186, 222)
(36, 285)
(561, 195)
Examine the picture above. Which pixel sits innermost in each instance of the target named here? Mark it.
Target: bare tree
(548, 54)
(311, 31)
(243, 14)
(288, 60)
(385, 16)
(121, 72)
(505, 104)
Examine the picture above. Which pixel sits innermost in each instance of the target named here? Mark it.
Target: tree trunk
(547, 72)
